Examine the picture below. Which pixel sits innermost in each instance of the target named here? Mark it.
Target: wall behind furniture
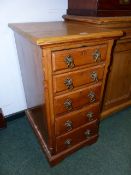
(12, 97)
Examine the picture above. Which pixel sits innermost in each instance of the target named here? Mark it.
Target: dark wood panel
(78, 4)
(100, 4)
(108, 13)
(2, 120)
(99, 7)
(114, 5)
(98, 13)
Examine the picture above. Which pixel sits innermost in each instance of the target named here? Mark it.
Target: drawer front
(71, 80)
(75, 119)
(77, 99)
(81, 134)
(69, 59)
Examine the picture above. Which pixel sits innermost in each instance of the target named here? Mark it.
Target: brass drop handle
(68, 125)
(69, 61)
(92, 96)
(69, 83)
(68, 104)
(68, 142)
(90, 116)
(94, 76)
(88, 133)
(97, 55)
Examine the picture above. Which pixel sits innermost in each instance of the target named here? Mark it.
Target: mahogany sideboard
(99, 7)
(64, 67)
(118, 86)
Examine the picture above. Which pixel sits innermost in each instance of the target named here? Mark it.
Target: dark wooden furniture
(64, 67)
(2, 120)
(118, 87)
(99, 7)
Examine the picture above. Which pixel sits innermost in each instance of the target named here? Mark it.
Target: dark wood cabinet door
(118, 89)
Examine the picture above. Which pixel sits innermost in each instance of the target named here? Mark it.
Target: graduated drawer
(77, 99)
(75, 119)
(84, 133)
(71, 58)
(71, 80)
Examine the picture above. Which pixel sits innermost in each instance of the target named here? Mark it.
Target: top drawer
(69, 59)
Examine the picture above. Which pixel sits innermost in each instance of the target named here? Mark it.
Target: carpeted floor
(20, 153)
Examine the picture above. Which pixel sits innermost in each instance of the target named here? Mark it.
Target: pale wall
(12, 97)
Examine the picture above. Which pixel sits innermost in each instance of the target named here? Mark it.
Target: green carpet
(20, 153)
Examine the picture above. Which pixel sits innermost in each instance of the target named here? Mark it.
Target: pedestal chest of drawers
(64, 67)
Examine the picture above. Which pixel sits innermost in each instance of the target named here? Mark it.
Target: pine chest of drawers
(64, 67)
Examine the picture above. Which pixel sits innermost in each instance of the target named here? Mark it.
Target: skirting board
(15, 116)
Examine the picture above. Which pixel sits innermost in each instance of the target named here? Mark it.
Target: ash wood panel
(76, 136)
(79, 98)
(81, 56)
(79, 78)
(77, 118)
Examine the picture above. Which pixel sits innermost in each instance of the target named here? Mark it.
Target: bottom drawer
(85, 132)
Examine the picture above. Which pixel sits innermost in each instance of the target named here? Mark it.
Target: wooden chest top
(47, 33)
